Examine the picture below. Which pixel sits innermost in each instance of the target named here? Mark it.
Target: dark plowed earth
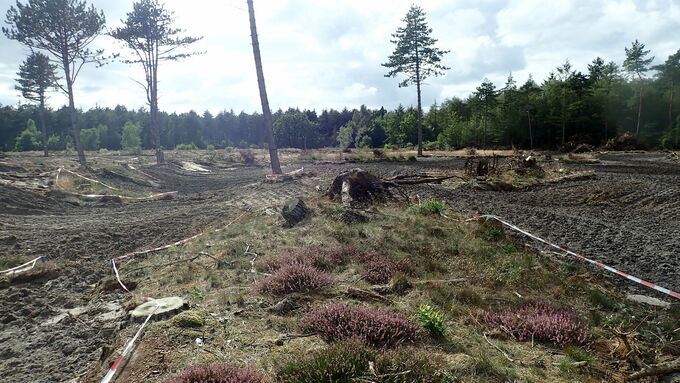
(628, 217)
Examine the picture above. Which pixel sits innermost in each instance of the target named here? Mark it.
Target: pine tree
(148, 31)
(669, 75)
(36, 76)
(637, 64)
(65, 29)
(486, 97)
(415, 56)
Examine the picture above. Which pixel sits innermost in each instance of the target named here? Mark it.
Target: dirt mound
(24, 202)
(626, 141)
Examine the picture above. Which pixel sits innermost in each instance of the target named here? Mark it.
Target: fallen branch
(436, 180)
(359, 293)
(499, 349)
(657, 370)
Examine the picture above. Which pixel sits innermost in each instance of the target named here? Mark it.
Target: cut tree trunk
(266, 111)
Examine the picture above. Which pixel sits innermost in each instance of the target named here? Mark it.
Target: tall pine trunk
(266, 112)
(43, 126)
(639, 116)
(153, 109)
(420, 108)
(75, 129)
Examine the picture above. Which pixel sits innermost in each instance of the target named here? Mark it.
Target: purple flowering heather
(294, 278)
(380, 269)
(540, 321)
(323, 258)
(373, 327)
(219, 373)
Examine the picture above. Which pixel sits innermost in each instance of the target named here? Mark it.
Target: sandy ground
(54, 320)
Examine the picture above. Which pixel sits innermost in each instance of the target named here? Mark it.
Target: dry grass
(497, 273)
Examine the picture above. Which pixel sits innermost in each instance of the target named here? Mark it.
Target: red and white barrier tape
(180, 242)
(25, 267)
(153, 196)
(83, 177)
(579, 256)
(114, 367)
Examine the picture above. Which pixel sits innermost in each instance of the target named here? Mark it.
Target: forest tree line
(568, 105)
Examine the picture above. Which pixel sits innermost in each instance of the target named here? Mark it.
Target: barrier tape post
(637, 280)
(112, 371)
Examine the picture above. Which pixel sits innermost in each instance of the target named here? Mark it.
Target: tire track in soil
(634, 225)
(41, 343)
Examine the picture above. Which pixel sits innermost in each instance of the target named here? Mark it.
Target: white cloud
(328, 54)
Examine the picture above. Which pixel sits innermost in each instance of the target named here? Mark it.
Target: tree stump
(357, 188)
(167, 307)
(294, 211)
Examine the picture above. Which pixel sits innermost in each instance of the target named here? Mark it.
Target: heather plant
(346, 362)
(373, 327)
(323, 258)
(430, 319)
(540, 321)
(379, 269)
(294, 278)
(219, 373)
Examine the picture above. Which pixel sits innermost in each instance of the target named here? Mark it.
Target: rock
(648, 300)
(189, 318)
(284, 306)
(294, 211)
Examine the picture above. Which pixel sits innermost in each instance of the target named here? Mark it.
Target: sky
(321, 54)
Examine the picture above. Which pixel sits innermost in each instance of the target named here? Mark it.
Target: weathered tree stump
(357, 187)
(294, 211)
(167, 307)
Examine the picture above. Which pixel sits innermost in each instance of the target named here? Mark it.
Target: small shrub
(247, 156)
(377, 153)
(219, 373)
(601, 300)
(470, 151)
(493, 234)
(428, 207)
(380, 269)
(190, 146)
(347, 361)
(373, 327)
(540, 321)
(322, 258)
(400, 283)
(294, 278)
(412, 158)
(431, 320)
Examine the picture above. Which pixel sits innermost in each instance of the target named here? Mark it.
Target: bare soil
(55, 320)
